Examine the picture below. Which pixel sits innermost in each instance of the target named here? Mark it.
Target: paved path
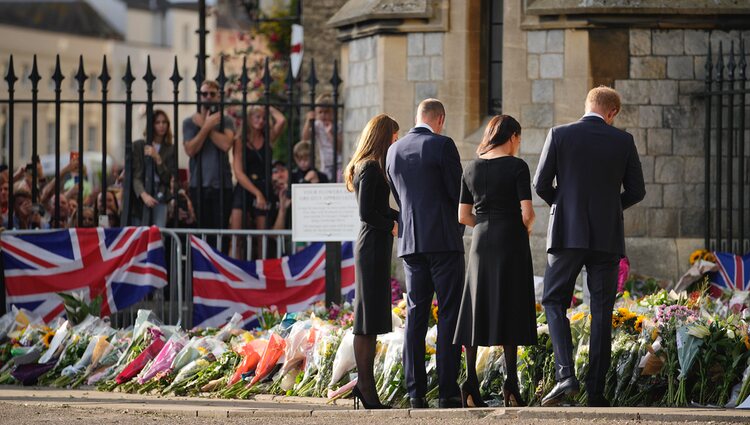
(300, 407)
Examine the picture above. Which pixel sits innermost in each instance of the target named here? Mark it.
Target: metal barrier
(174, 303)
(216, 237)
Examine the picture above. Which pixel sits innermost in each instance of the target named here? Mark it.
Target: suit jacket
(598, 175)
(163, 170)
(424, 170)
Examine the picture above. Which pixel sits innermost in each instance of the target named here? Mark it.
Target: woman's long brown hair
(372, 146)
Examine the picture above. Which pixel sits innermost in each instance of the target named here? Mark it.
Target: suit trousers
(563, 266)
(427, 274)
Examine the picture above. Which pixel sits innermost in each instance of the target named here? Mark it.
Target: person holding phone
(152, 171)
(208, 136)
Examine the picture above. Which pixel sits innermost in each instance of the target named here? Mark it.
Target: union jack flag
(223, 286)
(732, 274)
(122, 265)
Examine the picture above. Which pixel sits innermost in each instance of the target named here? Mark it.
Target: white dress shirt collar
(592, 114)
(425, 126)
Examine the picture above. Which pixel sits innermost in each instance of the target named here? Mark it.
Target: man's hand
(212, 120)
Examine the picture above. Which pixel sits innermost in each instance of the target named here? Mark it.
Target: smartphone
(214, 108)
(103, 221)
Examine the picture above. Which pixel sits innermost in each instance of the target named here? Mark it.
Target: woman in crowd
(156, 158)
(498, 297)
(250, 171)
(365, 175)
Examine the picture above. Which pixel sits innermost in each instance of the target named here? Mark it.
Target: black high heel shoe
(358, 398)
(512, 396)
(470, 396)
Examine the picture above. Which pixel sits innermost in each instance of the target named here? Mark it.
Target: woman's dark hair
(498, 131)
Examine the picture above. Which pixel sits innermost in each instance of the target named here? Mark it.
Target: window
(92, 136)
(25, 139)
(51, 137)
(495, 58)
(73, 137)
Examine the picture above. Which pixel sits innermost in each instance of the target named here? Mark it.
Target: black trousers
(563, 266)
(428, 274)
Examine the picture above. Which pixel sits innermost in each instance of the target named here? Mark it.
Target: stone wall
(663, 111)
(424, 64)
(361, 91)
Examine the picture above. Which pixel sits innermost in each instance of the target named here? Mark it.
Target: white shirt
(425, 126)
(592, 114)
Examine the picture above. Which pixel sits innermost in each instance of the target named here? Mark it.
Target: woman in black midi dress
(498, 298)
(372, 253)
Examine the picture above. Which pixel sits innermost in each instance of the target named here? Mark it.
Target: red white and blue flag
(223, 286)
(732, 274)
(121, 264)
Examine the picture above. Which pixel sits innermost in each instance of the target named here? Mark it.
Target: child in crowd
(324, 137)
(304, 172)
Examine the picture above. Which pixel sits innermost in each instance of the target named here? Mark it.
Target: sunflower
(697, 255)
(435, 312)
(709, 256)
(616, 321)
(746, 340)
(538, 307)
(638, 325)
(47, 338)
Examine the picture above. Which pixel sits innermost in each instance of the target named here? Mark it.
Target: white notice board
(324, 212)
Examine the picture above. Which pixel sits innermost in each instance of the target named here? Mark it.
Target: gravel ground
(27, 413)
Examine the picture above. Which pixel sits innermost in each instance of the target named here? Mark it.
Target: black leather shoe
(596, 400)
(567, 387)
(418, 403)
(450, 403)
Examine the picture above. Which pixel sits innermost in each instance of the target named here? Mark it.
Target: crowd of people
(218, 194)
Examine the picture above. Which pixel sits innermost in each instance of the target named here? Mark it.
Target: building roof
(161, 4)
(75, 17)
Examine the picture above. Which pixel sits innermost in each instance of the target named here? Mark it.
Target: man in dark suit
(424, 170)
(598, 175)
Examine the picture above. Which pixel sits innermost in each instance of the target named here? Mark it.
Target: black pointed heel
(358, 398)
(470, 396)
(512, 396)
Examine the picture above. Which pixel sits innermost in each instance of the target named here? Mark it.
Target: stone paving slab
(283, 406)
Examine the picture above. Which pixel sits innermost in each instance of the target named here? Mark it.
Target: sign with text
(325, 212)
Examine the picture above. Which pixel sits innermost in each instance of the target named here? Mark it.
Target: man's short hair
(302, 149)
(431, 108)
(604, 97)
(211, 83)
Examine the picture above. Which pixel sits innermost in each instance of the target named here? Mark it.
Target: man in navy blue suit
(424, 170)
(588, 172)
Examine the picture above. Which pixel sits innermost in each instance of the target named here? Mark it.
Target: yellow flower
(397, 311)
(746, 340)
(654, 333)
(697, 255)
(47, 338)
(538, 307)
(616, 321)
(435, 313)
(710, 257)
(578, 316)
(429, 350)
(638, 325)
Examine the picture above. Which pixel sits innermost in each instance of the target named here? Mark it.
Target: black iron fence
(291, 103)
(727, 158)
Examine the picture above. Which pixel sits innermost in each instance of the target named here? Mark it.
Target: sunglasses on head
(209, 93)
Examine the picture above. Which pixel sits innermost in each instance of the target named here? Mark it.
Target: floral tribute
(668, 349)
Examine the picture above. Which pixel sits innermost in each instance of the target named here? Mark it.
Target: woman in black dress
(498, 298)
(365, 176)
